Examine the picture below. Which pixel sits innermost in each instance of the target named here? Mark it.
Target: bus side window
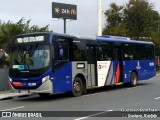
(129, 52)
(63, 50)
(77, 50)
(116, 56)
(59, 52)
(104, 52)
(55, 51)
(60, 49)
(149, 52)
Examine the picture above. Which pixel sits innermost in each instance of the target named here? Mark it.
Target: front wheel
(77, 89)
(134, 79)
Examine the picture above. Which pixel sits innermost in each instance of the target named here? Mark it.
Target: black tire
(44, 95)
(134, 79)
(77, 89)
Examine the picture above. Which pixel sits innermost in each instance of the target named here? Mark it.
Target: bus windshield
(29, 57)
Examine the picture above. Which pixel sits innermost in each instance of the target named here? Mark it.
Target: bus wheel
(44, 94)
(77, 89)
(134, 79)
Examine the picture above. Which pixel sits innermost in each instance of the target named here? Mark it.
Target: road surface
(146, 96)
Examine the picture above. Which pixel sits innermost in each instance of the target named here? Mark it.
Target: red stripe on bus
(117, 74)
(17, 84)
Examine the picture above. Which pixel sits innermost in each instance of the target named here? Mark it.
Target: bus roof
(121, 40)
(118, 39)
(53, 33)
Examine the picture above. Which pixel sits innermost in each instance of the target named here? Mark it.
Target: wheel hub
(77, 87)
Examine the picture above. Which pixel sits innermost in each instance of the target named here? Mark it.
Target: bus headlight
(45, 79)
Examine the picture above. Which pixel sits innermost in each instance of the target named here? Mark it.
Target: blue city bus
(51, 63)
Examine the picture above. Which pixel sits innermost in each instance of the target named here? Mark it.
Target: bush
(157, 68)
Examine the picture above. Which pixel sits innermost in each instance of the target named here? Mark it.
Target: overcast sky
(40, 13)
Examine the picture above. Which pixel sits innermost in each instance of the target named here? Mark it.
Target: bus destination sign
(30, 39)
(61, 10)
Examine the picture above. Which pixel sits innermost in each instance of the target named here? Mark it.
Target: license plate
(24, 91)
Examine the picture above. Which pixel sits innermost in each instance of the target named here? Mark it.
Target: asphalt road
(99, 102)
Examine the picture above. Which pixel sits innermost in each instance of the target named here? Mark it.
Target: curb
(9, 96)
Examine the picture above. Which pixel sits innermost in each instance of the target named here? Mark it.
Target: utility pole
(99, 18)
(64, 25)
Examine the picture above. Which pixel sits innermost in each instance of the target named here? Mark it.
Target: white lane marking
(157, 98)
(81, 118)
(94, 94)
(12, 108)
(110, 110)
(93, 115)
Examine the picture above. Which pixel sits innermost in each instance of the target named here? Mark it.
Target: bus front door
(91, 59)
(118, 65)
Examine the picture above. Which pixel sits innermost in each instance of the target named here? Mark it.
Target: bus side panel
(79, 68)
(149, 68)
(108, 71)
(128, 67)
(62, 79)
(105, 73)
(116, 72)
(152, 69)
(145, 69)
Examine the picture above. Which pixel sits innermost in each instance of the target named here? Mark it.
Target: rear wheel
(78, 87)
(134, 79)
(44, 94)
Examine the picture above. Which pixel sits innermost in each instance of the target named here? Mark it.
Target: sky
(40, 13)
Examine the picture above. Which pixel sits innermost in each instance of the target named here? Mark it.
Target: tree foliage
(139, 17)
(136, 19)
(114, 25)
(10, 29)
(115, 15)
(156, 39)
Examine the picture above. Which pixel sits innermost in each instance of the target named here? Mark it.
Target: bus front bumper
(46, 87)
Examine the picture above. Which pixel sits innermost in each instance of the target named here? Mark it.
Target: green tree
(135, 19)
(35, 28)
(10, 29)
(156, 39)
(140, 18)
(114, 18)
